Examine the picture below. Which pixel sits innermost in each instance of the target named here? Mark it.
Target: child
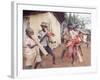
(32, 56)
(73, 48)
(44, 35)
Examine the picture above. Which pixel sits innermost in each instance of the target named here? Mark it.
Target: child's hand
(69, 44)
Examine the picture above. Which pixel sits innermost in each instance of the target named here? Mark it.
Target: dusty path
(47, 61)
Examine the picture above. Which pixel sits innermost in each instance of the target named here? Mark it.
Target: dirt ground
(47, 61)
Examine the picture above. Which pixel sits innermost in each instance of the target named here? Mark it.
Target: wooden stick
(79, 56)
(39, 45)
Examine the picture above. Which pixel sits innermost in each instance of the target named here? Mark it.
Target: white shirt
(44, 42)
(28, 42)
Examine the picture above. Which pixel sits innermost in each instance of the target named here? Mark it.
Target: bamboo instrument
(79, 56)
(39, 45)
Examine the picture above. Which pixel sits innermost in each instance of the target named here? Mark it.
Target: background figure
(67, 36)
(73, 45)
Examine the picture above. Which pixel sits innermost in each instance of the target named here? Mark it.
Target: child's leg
(70, 51)
(72, 59)
(62, 54)
(50, 51)
(37, 64)
(74, 53)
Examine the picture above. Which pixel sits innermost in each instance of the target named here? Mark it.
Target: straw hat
(44, 24)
